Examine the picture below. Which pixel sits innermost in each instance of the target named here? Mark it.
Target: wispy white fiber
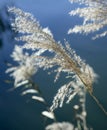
(60, 126)
(63, 58)
(94, 14)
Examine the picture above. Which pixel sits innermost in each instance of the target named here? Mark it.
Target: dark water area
(20, 112)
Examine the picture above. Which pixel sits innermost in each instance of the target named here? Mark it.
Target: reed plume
(60, 56)
(94, 14)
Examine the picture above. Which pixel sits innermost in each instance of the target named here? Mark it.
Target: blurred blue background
(21, 113)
